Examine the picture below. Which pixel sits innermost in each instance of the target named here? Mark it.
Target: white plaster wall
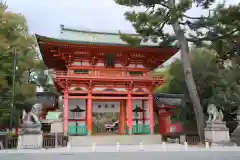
(103, 88)
(76, 63)
(74, 88)
(139, 66)
(99, 88)
(100, 64)
(147, 111)
(144, 89)
(118, 65)
(95, 107)
(86, 64)
(121, 89)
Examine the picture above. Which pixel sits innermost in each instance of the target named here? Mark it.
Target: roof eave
(45, 38)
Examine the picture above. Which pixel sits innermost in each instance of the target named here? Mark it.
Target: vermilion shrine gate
(97, 70)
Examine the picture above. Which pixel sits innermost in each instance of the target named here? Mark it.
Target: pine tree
(220, 24)
(14, 35)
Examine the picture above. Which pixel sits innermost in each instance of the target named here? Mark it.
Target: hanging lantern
(76, 111)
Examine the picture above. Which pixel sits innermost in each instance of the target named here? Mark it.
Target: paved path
(127, 156)
(147, 152)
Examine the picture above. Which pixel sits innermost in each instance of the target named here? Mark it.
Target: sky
(45, 16)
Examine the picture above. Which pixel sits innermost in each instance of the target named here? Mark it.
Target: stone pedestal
(217, 132)
(182, 139)
(235, 136)
(30, 141)
(56, 127)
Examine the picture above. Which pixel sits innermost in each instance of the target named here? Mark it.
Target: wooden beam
(107, 92)
(77, 97)
(77, 92)
(108, 79)
(102, 68)
(139, 98)
(110, 98)
(107, 98)
(111, 49)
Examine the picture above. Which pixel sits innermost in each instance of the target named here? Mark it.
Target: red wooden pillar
(143, 114)
(129, 113)
(86, 103)
(65, 112)
(163, 121)
(89, 113)
(164, 124)
(17, 131)
(122, 117)
(151, 118)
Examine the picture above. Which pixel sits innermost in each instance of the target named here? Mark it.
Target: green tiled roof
(95, 37)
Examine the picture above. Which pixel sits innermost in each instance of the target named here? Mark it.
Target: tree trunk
(184, 49)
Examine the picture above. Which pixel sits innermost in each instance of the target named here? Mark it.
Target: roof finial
(61, 26)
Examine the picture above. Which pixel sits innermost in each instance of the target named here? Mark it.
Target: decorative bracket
(93, 60)
(126, 60)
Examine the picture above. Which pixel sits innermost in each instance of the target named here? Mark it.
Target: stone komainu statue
(31, 120)
(214, 114)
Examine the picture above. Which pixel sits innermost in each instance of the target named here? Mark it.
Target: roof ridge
(87, 30)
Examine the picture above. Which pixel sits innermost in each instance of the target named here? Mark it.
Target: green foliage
(215, 84)
(222, 24)
(14, 35)
(220, 27)
(44, 80)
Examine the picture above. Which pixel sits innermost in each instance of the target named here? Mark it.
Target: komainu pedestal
(31, 134)
(235, 137)
(30, 141)
(216, 132)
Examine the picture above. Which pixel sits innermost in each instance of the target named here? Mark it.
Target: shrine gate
(98, 71)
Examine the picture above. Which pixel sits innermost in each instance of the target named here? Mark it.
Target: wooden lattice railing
(50, 140)
(104, 75)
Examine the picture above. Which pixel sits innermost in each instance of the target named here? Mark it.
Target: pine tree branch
(195, 18)
(164, 5)
(152, 11)
(207, 38)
